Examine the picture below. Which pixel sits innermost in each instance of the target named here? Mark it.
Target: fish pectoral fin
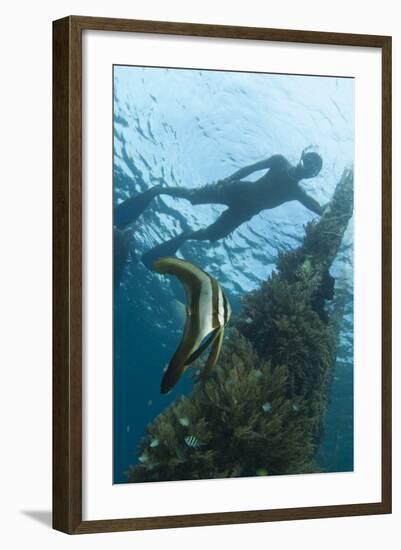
(214, 353)
(197, 353)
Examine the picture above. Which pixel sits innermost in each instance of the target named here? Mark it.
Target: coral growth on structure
(262, 410)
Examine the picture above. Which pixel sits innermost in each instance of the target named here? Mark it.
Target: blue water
(178, 127)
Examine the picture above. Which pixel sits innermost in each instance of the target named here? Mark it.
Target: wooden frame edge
(67, 309)
(228, 518)
(226, 31)
(386, 273)
(67, 275)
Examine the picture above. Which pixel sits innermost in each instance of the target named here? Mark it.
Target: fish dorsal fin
(202, 348)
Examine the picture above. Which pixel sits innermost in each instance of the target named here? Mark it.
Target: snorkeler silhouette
(244, 199)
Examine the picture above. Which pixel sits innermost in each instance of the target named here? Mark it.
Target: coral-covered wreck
(262, 410)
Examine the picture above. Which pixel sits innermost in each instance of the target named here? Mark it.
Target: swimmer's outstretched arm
(309, 203)
(274, 160)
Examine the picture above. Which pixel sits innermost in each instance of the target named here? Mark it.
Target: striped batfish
(208, 312)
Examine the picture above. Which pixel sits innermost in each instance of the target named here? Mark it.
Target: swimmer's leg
(129, 211)
(213, 193)
(223, 226)
(168, 248)
(178, 192)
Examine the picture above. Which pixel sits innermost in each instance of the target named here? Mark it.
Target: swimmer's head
(310, 165)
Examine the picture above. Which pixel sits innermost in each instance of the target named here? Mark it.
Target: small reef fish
(193, 442)
(154, 443)
(258, 373)
(143, 458)
(266, 407)
(208, 312)
(295, 407)
(150, 403)
(262, 472)
(184, 421)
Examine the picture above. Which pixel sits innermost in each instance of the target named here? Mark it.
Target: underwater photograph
(232, 274)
